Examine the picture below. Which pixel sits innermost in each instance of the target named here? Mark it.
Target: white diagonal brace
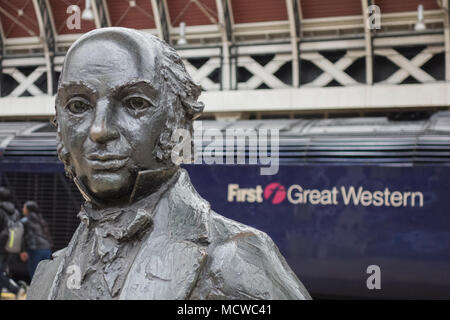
(26, 83)
(263, 72)
(418, 61)
(331, 69)
(276, 63)
(272, 67)
(409, 67)
(342, 64)
(201, 75)
(207, 68)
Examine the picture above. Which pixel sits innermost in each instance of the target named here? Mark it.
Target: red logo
(275, 193)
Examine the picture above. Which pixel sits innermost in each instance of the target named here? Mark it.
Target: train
(359, 207)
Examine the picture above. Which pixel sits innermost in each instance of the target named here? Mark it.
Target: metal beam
(2, 40)
(445, 9)
(361, 97)
(229, 20)
(368, 42)
(226, 30)
(2, 53)
(294, 29)
(413, 40)
(101, 14)
(162, 19)
(52, 19)
(47, 32)
(298, 17)
(157, 18)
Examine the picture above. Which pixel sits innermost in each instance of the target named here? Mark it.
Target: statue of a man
(145, 233)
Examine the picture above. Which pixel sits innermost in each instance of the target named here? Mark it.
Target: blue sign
(332, 223)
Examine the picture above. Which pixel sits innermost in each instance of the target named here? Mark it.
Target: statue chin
(110, 186)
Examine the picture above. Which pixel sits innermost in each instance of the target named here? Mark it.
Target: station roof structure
(208, 20)
(237, 45)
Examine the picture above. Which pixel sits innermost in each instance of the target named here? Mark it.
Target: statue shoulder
(44, 276)
(47, 271)
(245, 263)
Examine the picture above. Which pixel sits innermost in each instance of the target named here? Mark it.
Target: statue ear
(192, 107)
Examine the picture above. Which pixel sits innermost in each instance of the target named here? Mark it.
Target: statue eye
(78, 106)
(137, 103)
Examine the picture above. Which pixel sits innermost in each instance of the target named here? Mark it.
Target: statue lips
(106, 162)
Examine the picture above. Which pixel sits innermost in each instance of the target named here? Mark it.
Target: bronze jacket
(182, 250)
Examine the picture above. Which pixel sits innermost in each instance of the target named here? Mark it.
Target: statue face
(110, 116)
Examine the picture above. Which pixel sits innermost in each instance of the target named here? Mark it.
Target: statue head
(121, 95)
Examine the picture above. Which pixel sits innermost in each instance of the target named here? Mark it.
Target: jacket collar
(147, 182)
(128, 220)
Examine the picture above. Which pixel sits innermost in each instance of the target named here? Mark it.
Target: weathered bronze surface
(145, 233)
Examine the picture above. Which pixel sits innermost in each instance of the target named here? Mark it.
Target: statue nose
(103, 129)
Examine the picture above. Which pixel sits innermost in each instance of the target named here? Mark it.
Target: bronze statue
(145, 233)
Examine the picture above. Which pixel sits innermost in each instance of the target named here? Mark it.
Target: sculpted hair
(186, 107)
(182, 106)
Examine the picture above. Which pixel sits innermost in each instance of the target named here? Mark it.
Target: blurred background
(358, 90)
